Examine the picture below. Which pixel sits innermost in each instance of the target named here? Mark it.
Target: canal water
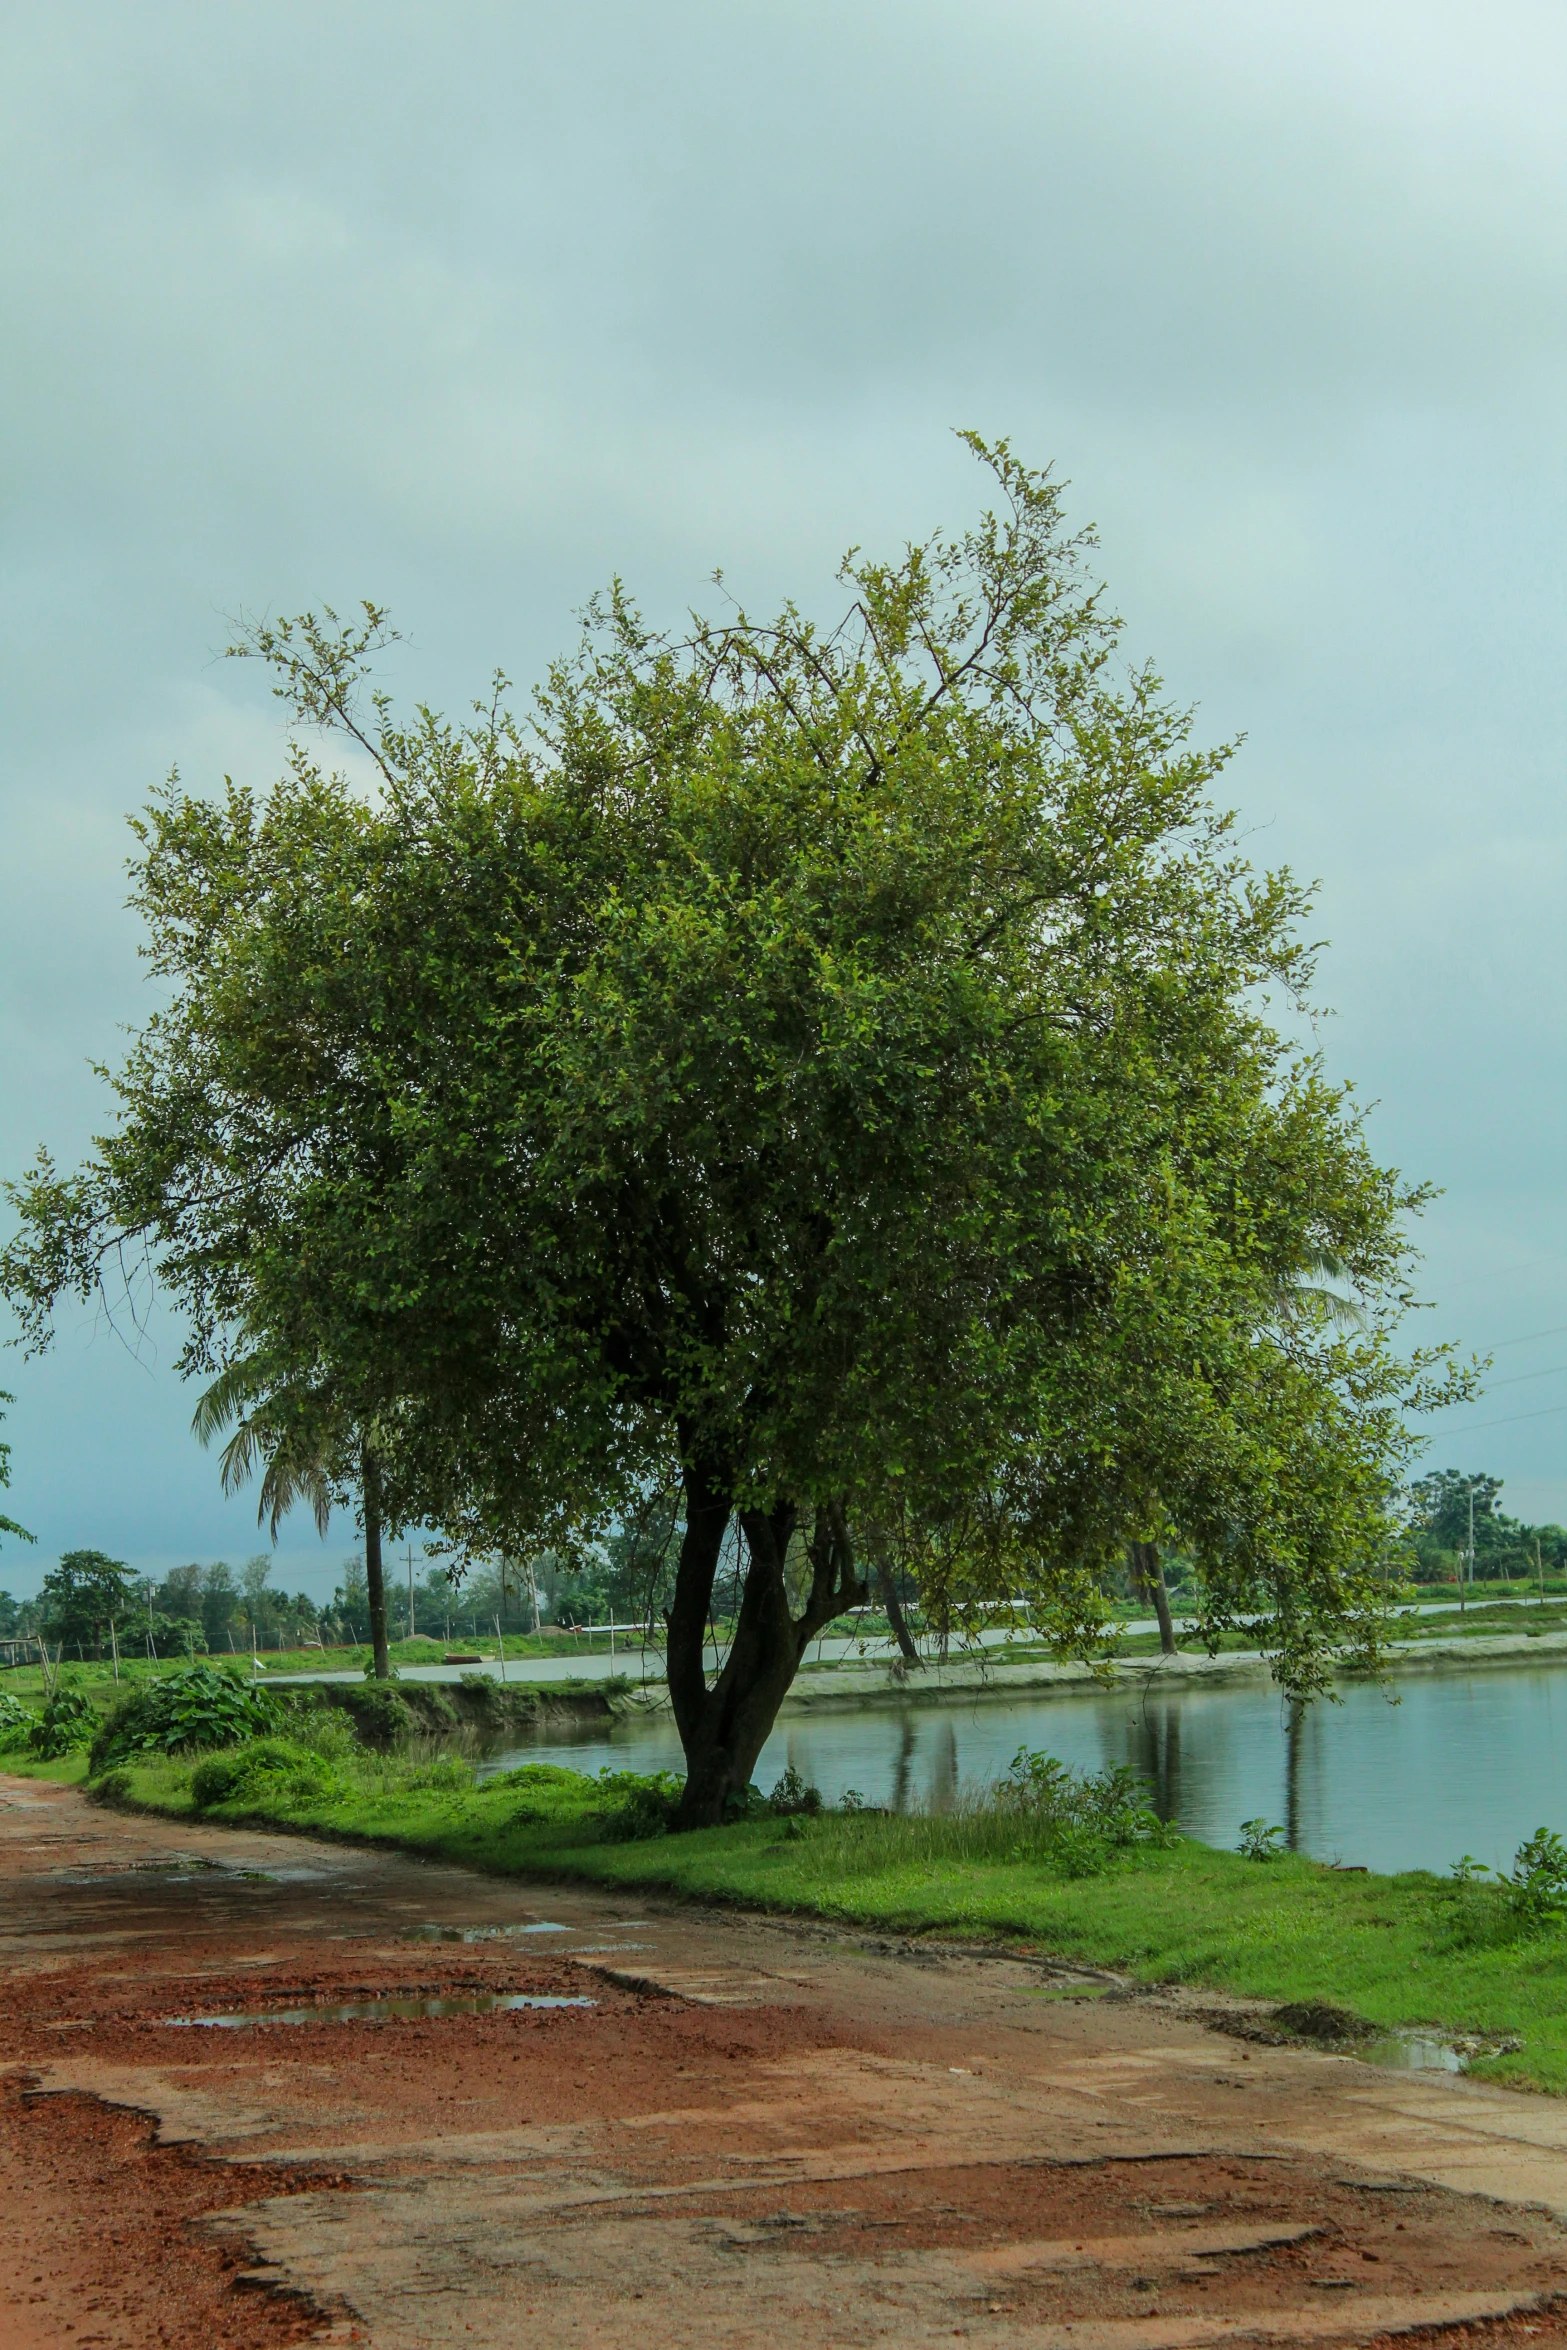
(1462, 1762)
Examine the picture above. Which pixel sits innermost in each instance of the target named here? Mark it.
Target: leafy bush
(1524, 1899)
(16, 1720)
(1537, 1883)
(639, 1804)
(1074, 1809)
(1259, 1841)
(794, 1794)
(201, 1706)
(67, 1721)
(268, 1773)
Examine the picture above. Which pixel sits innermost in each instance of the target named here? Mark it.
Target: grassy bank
(1396, 1951)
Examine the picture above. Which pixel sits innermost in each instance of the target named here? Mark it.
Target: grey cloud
(467, 306)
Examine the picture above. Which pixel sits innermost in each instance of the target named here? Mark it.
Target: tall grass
(1071, 1822)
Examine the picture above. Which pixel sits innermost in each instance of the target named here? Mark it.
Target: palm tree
(295, 1436)
(1311, 1294)
(1313, 1291)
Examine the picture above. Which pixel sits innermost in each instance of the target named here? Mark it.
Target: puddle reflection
(397, 2009)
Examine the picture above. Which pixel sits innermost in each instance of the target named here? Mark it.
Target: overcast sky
(465, 307)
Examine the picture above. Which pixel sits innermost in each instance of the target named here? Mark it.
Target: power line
(1451, 1435)
(1518, 1378)
(1527, 1339)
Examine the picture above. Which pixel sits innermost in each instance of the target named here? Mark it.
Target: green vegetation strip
(1457, 1958)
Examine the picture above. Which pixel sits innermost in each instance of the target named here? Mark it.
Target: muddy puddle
(484, 1933)
(411, 2007)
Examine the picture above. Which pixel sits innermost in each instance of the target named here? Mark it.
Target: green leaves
(9, 1525)
(205, 1705)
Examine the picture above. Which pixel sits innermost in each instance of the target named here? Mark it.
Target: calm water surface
(1467, 1762)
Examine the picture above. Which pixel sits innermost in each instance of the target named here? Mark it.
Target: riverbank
(827, 1686)
(1400, 1954)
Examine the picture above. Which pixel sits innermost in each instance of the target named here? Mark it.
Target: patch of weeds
(379, 1714)
(1319, 2019)
(267, 1773)
(1492, 1908)
(1259, 1841)
(447, 1775)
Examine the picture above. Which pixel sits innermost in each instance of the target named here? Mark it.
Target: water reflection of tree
(944, 1767)
(1154, 1752)
(903, 1769)
(1294, 1743)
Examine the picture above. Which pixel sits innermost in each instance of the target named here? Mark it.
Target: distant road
(647, 1664)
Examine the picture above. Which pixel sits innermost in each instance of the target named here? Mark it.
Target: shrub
(1520, 1901)
(1537, 1885)
(200, 1706)
(67, 1721)
(794, 1794)
(638, 1805)
(1259, 1841)
(1075, 1809)
(266, 1773)
(16, 1720)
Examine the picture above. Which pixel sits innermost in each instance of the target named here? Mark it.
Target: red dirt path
(757, 2133)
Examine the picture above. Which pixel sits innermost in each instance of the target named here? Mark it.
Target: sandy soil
(757, 2131)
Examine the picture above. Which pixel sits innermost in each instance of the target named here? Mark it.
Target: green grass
(1397, 1951)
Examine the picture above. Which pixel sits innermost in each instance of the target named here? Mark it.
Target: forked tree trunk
(723, 1728)
(375, 1581)
(1148, 1575)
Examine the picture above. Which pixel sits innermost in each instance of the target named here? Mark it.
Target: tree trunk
(887, 1594)
(375, 1582)
(1148, 1575)
(724, 1728)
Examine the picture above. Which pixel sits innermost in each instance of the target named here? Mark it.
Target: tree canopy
(826, 1071)
(84, 1595)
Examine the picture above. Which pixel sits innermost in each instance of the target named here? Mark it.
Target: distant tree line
(1504, 1547)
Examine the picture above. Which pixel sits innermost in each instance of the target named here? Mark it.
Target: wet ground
(436, 2109)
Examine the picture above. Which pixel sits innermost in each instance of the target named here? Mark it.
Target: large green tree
(828, 1070)
(83, 1596)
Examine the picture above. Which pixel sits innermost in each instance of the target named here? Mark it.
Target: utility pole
(1461, 1608)
(1539, 1571)
(410, 1591)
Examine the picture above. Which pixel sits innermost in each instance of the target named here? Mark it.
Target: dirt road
(754, 2134)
